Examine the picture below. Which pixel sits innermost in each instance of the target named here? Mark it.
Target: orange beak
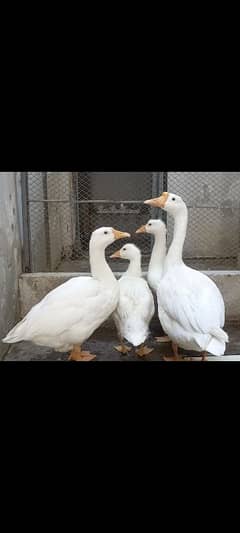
(120, 234)
(116, 254)
(142, 229)
(158, 202)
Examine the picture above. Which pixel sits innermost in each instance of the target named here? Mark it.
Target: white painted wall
(10, 255)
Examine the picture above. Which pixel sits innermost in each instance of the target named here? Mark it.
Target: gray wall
(10, 255)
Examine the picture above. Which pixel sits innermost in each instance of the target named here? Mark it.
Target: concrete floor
(102, 345)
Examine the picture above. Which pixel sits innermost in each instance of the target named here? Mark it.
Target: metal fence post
(46, 221)
(26, 259)
(164, 182)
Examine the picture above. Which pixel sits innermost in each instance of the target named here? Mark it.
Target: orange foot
(81, 356)
(122, 348)
(162, 339)
(144, 350)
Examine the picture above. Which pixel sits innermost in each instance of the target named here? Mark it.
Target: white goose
(136, 305)
(69, 314)
(191, 308)
(158, 229)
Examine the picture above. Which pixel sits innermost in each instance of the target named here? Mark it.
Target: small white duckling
(136, 304)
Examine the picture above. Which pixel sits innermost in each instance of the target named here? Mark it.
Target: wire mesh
(213, 200)
(64, 208)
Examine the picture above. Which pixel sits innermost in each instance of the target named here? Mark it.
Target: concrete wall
(33, 287)
(10, 255)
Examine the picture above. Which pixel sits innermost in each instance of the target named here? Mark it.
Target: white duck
(136, 305)
(191, 308)
(158, 229)
(69, 314)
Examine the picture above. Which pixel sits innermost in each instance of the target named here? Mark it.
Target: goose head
(172, 203)
(128, 251)
(154, 227)
(103, 237)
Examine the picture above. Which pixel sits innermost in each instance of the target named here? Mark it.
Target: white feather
(190, 306)
(191, 310)
(135, 310)
(157, 228)
(136, 305)
(70, 313)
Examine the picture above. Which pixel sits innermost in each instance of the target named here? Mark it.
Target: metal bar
(85, 211)
(119, 202)
(155, 213)
(46, 220)
(165, 181)
(26, 256)
(209, 257)
(164, 188)
(90, 201)
(156, 178)
(77, 239)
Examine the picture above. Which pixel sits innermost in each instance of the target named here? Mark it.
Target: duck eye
(150, 224)
(124, 249)
(105, 232)
(173, 199)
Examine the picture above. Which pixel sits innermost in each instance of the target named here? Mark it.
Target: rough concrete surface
(10, 254)
(33, 287)
(102, 345)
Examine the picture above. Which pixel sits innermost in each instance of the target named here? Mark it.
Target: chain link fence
(213, 235)
(61, 209)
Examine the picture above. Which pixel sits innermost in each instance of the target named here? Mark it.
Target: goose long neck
(175, 252)
(134, 268)
(158, 254)
(100, 270)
